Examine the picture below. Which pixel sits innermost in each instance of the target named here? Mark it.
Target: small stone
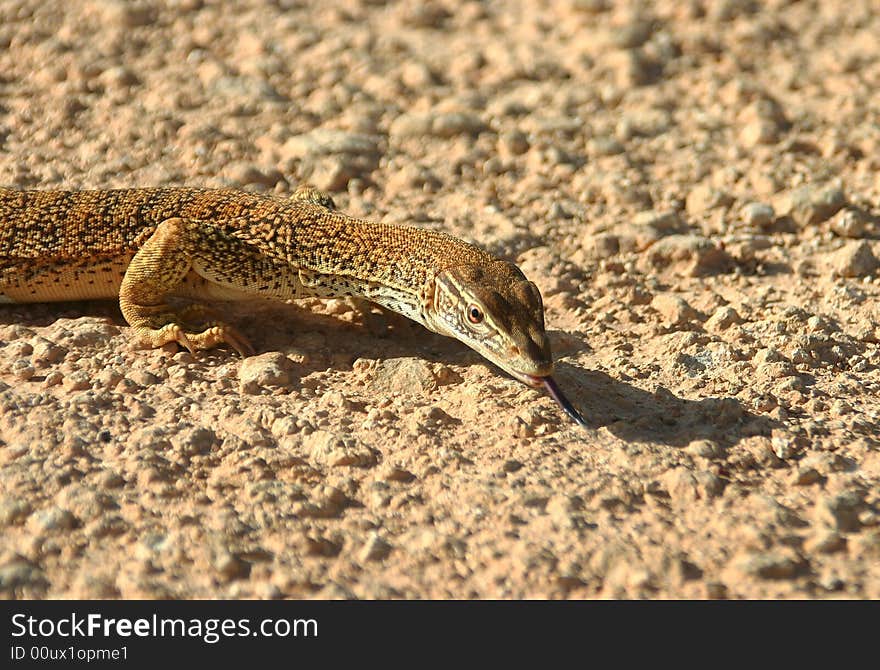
(329, 142)
(330, 159)
(47, 352)
(143, 378)
(705, 449)
(512, 143)
(436, 124)
(810, 205)
(849, 223)
(825, 542)
(840, 512)
(644, 123)
(395, 474)
(603, 245)
(417, 76)
(79, 380)
(405, 375)
(193, 441)
(723, 318)
(691, 255)
(14, 511)
(511, 466)
(768, 565)
(562, 508)
(759, 131)
(667, 221)
(716, 590)
(685, 486)
(704, 197)
(22, 369)
(854, 259)
(674, 309)
(244, 174)
(269, 369)
(634, 67)
(230, 566)
(375, 548)
(53, 518)
(805, 475)
(20, 573)
(331, 450)
(605, 145)
(758, 214)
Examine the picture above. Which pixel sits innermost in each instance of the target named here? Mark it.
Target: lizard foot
(214, 335)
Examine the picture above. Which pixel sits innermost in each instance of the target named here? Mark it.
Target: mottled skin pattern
(150, 246)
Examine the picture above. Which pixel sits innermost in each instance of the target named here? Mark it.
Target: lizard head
(496, 311)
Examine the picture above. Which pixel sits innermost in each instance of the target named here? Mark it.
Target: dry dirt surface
(694, 186)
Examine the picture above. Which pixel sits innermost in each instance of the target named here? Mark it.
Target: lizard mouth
(553, 390)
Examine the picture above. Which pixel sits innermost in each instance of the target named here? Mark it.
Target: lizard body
(150, 246)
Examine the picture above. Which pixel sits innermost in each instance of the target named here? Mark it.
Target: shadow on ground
(634, 414)
(629, 412)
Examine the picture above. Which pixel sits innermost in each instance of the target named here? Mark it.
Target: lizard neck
(391, 265)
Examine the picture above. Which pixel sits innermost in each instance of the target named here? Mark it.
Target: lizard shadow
(634, 414)
(325, 340)
(627, 411)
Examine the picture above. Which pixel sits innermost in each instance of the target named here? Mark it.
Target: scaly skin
(146, 246)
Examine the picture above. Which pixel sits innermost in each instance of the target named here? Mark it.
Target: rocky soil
(694, 186)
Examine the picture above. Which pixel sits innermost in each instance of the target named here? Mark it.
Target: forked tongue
(563, 402)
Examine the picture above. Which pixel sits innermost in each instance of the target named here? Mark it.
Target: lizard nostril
(515, 350)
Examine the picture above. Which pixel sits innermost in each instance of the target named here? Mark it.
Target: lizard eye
(474, 314)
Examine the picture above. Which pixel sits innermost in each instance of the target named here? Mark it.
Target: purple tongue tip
(564, 402)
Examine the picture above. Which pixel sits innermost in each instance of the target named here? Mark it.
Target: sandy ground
(694, 186)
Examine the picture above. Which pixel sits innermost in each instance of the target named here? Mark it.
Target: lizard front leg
(158, 270)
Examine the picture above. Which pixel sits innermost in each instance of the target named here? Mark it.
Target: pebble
(825, 542)
(605, 145)
(19, 573)
(758, 214)
(723, 318)
(705, 197)
(805, 476)
(692, 255)
(840, 512)
(685, 486)
(644, 123)
(193, 441)
(436, 124)
(330, 142)
(22, 369)
(53, 518)
(46, 352)
(332, 450)
(768, 565)
(14, 511)
(270, 369)
(705, 449)
(849, 222)
(512, 143)
(665, 221)
(230, 566)
(854, 259)
(811, 204)
(674, 309)
(374, 549)
(242, 173)
(330, 159)
(78, 380)
(633, 68)
(404, 375)
(88, 333)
